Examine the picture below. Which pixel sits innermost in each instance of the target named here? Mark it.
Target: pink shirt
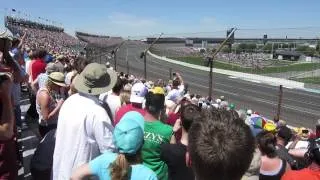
(124, 109)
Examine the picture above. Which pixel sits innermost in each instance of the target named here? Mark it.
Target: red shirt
(37, 67)
(171, 120)
(127, 108)
(304, 174)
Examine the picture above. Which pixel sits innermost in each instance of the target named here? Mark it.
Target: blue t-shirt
(100, 167)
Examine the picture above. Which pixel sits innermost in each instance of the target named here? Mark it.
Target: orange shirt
(304, 174)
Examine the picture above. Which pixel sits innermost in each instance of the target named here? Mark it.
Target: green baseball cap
(232, 106)
(95, 79)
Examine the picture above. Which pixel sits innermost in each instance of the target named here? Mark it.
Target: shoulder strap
(288, 158)
(106, 107)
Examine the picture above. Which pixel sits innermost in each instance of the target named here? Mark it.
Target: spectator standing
(284, 135)
(47, 106)
(84, 128)
(156, 133)
(174, 155)
(177, 89)
(8, 155)
(128, 139)
(220, 145)
(39, 65)
(137, 98)
(60, 63)
(272, 167)
(113, 98)
(42, 79)
(79, 65)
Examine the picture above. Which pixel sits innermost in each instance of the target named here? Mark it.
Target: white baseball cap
(138, 93)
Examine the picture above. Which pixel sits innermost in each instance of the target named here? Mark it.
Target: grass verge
(310, 80)
(266, 70)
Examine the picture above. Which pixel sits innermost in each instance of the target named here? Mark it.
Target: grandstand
(44, 36)
(99, 40)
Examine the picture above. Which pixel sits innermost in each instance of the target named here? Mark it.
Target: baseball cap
(158, 90)
(285, 133)
(270, 127)
(138, 93)
(128, 133)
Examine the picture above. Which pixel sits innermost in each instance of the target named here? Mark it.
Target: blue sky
(176, 17)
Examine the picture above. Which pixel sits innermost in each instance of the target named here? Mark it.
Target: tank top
(274, 175)
(52, 106)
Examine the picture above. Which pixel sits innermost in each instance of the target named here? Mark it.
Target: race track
(299, 108)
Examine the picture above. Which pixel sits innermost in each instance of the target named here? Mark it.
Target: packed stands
(39, 35)
(99, 40)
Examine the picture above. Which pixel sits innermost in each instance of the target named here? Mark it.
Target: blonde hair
(120, 169)
(125, 97)
(49, 85)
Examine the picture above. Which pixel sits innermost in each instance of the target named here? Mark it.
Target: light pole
(114, 53)
(127, 61)
(144, 55)
(210, 59)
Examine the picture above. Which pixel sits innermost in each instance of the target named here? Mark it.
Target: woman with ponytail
(127, 164)
(272, 167)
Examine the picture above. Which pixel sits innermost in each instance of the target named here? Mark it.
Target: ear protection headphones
(313, 153)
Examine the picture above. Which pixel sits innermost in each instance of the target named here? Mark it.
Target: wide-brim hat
(5, 34)
(95, 79)
(57, 78)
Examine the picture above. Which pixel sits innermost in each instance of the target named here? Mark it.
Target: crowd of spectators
(249, 60)
(94, 121)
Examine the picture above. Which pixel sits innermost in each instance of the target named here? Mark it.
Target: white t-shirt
(113, 101)
(175, 94)
(69, 76)
(84, 132)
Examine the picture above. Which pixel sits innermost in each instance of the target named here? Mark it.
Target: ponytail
(120, 169)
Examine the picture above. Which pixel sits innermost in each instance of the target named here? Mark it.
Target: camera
(305, 131)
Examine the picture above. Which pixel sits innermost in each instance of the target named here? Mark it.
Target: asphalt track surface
(299, 108)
